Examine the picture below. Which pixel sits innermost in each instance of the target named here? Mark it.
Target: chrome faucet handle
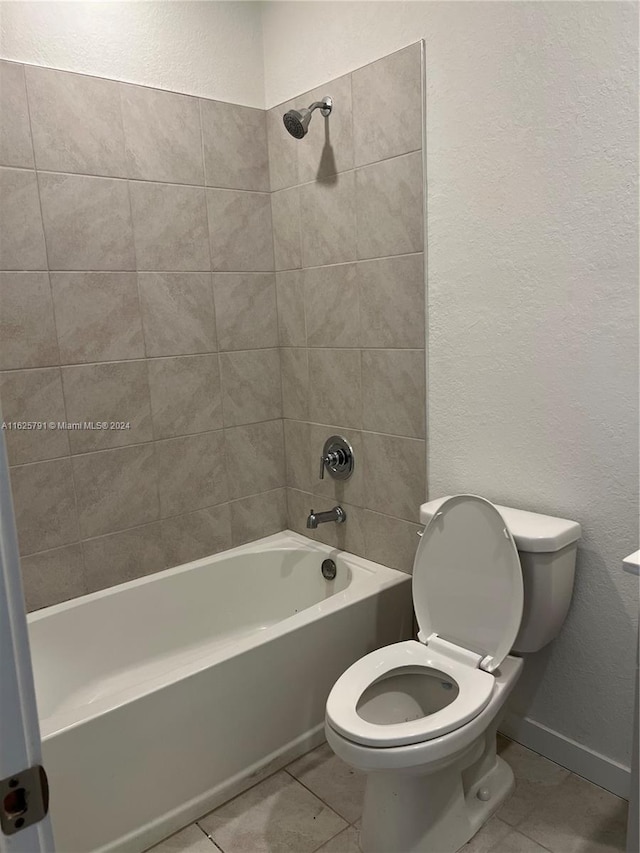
(337, 458)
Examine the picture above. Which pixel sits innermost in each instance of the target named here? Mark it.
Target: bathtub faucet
(336, 514)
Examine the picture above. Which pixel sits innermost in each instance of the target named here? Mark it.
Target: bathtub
(163, 697)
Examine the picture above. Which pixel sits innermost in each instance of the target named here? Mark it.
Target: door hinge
(24, 799)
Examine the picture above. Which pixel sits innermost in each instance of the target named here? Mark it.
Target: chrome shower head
(297, 121)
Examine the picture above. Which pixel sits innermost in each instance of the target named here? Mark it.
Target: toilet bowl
(421, 716)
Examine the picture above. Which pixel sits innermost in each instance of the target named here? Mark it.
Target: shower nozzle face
(297, 121)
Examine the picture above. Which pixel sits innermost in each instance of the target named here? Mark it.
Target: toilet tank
(547, 547)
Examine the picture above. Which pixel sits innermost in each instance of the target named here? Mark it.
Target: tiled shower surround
(232, 296)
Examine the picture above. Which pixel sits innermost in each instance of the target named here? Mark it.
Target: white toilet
(420, 717)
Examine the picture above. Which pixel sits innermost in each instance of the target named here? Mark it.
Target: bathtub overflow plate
(329, 570)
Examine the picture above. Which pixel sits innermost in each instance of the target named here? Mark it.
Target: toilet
(420, 717)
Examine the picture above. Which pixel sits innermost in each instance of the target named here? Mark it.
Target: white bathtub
(163, 697)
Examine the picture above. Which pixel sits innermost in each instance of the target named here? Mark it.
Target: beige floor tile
(189, 840)
(337, 784)
(535, 776)
(515, 842)
(344, 842)
(277, 816)
(485, 840)
(578, 817)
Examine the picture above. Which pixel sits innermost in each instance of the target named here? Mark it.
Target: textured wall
(532, 148)
(211, 49)
(138, 287)
(348, 239)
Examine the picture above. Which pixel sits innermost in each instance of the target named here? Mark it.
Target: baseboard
(574, 756)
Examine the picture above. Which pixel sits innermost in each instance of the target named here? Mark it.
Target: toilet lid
(467, 579)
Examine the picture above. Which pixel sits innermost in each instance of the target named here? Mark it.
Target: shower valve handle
(337, 458)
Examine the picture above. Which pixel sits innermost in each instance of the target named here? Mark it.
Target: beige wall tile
(283, 149)
(15, 133)
(44, 503)
(251, 387)
(350, 490)
(285, 215)
(27, 326)
(114, 392)
(185, 395)
(53, 576)
(258, 516)
(335, 391)
(170, 227)
(328, 147)
(116, 489)
(395, 474)
(328, 220)
(197, 534)
(331, 306)
(97, 316)
(246, 312)
(21, 236)
(33, 395)
(387, 106)
(297, 453)
(87, 222)
(255, 458)
(291, 319)
(392, 302)
(393, 392)
(294, 364)
(76, 122)
(389, 207)
(121, 557)
(235, 146)
(240, 231)
(162, 134)
(177, 313)
(192, 472)
(390, 541)
(348, 536)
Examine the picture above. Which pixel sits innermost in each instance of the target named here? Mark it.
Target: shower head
(297, 121)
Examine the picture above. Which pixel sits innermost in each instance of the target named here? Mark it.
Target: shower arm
(325, 106)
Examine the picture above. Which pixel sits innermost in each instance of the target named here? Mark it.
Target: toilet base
(439, 812)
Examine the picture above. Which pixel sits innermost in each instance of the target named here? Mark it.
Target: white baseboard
(574, 756)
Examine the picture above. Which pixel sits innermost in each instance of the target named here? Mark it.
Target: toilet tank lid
(531, 531)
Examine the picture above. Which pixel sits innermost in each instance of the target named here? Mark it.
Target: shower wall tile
(97, 316)
(390, 541)
(389, 207)
(285, 213)
(328, 221)
(395, 474)
(112, 392)
(392, 302)
(185, 395)
(170, 226)
(44, 505)
(163, 139)
(121, 557)
(294, 364)
(328, 147)
(283, 149)
(335, 391)
(291, 319)
(192, 473)
(258, 516)
(235, 146)
(75, 122)
(246, 312)
(87, 222)
(351, 490)
(22, 244)
(251, 386)
(116, 489)
(27, 326)
(177, 313)
(197, 534)
(255, 458)
(393, 383)
(15, 134)
(331, 306)
(387, 107)
(296, 447)
(348, 536)
(53, 576)
(33, 395)
(240, 231)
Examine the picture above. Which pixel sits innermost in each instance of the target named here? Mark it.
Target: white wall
(211, 49)
(532, 153)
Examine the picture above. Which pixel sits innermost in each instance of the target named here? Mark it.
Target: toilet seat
(475, 688)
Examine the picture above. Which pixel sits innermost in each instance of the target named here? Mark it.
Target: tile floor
(314, 806)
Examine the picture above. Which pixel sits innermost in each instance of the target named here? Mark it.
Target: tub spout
(336, 514)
